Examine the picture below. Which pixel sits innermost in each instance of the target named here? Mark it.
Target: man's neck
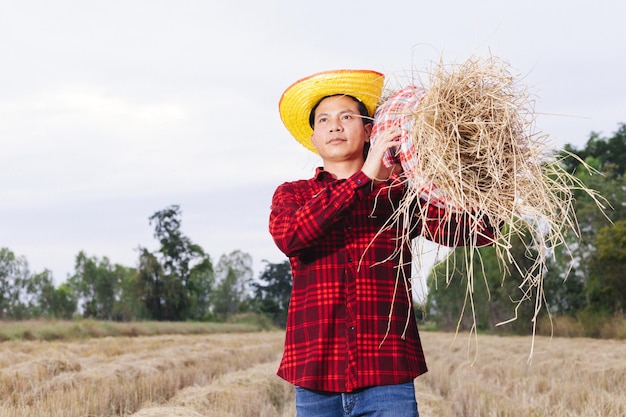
(343, 169)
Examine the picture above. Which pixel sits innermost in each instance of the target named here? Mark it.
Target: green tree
(234, 279)
(607, 280)
(44, 300)
(96, 283)
(272, 293)
(605, 154)
(62, 303)
(201, 280)
(447, 291)
(606, 157)
(127, 304)
(175, 282)
(37, 291)
(24, 295)
(150, 285)
(13, 273)
(563, 287)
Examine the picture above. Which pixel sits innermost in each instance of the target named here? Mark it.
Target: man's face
(338, 130)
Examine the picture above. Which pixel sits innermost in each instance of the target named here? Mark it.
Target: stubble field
(234, 375)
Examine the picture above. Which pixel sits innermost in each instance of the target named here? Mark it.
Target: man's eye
(347, 116)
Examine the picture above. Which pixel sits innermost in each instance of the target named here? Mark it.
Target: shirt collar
(321, 174)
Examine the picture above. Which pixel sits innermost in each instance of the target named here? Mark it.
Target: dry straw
(475, 147)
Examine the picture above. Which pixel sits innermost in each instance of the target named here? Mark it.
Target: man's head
(303, 98)
(341, 127)
(340, 131)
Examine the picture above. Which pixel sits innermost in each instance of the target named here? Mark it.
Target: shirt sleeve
(298, 223)
(452, 228)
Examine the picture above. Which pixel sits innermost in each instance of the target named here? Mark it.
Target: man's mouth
(335, 140)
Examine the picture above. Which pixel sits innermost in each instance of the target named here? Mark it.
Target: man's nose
(336, 125)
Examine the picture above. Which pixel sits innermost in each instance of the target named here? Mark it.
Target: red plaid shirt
(344, 281)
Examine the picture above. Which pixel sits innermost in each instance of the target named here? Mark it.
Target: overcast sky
(112, 110)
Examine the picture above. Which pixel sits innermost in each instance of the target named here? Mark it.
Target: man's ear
(313, 140)
(368, 131)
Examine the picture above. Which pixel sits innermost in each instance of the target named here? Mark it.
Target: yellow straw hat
(298, 99)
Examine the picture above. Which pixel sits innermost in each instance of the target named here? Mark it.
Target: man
(352, 347)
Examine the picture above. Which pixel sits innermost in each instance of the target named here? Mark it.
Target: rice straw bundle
(474, 139)
(473, 149)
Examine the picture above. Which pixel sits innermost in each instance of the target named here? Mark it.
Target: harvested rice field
(234, 375)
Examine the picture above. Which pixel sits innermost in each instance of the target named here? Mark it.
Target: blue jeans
(384, 401)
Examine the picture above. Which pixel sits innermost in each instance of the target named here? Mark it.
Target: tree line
(179, 281)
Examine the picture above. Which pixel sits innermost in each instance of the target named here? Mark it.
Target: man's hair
(362, 110)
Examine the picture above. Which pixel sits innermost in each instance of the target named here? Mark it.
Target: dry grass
(84, 329)
(255, 391)
(234, 375)
(119, 375)
(568, 377)
(585, 325)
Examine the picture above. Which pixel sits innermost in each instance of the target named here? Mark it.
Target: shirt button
(349, 259)
(351, 328)
(358, 182)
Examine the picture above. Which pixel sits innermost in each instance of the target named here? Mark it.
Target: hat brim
(298, 99)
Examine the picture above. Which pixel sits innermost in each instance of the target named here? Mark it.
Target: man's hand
(373, 166)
